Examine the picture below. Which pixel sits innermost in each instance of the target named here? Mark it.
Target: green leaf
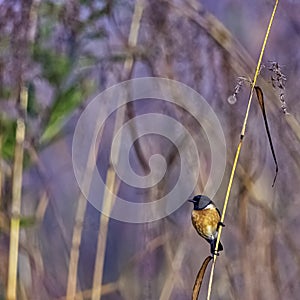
(8, 129)
(8, 135)
(55, 66)
(32, 105)
(65, 104)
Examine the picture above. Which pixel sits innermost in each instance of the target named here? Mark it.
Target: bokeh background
(59, 55)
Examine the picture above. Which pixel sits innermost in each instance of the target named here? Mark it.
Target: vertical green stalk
(16, 198)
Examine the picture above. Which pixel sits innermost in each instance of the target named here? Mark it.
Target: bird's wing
(218, 212)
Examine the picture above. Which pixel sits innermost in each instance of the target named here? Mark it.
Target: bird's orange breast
(206, 222)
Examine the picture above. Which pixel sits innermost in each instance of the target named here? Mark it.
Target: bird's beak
(191, 200)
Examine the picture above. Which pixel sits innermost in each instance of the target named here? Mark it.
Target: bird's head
(200, 202)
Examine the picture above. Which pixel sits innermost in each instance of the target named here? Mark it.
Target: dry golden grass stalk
(111, 181)
(16, 197)
(240, 145)
(42, 207)
(77, 233)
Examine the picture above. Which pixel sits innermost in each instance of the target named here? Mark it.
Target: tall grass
(191, 45)
(16, 198)
(239, 147)
(112, 183)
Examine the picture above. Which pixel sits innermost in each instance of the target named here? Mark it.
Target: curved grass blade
(260, 98)
(199, 278)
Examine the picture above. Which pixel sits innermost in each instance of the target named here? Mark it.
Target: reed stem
(240, 146)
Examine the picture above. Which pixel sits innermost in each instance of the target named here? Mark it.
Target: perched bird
(206, 220)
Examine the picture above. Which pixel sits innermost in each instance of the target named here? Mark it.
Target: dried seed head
(278, 80)
(232, 99)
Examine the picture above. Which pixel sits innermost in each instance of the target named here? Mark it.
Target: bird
(206, 220)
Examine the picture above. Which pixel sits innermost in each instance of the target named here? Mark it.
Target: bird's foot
(221, 224)
(215, 253)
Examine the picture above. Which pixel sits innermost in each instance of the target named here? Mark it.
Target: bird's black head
(200, 202)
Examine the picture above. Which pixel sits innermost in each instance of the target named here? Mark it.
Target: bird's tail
(213, 246)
